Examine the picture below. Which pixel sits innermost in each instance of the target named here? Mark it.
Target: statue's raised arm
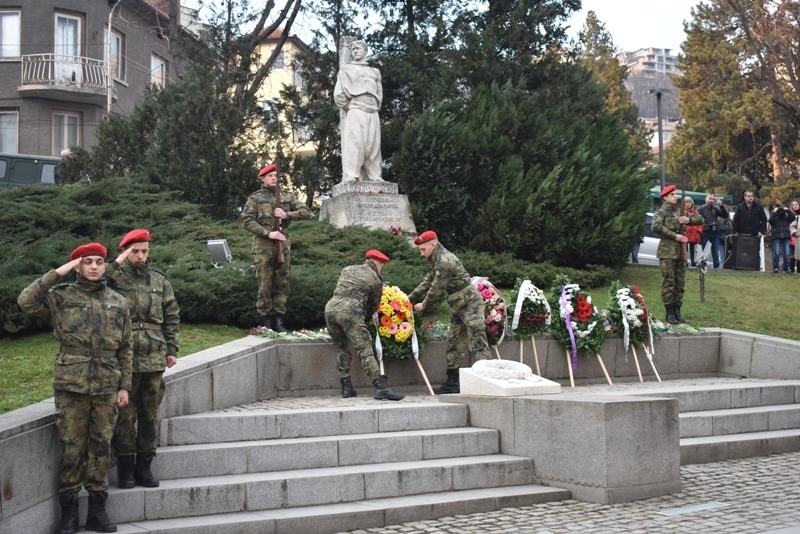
(359, 94)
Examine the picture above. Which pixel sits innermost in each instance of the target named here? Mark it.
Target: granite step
(739, 420)
(210, 459)
(250, 492)
(705, 449)
(364, 514)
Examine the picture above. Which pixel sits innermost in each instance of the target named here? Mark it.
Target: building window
(9, 34)
(117, 59)
(158, 71)
(278, 65)
(66, 131)
(9, 128)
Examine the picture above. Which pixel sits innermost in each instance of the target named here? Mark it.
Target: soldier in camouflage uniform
(155, 318)
(467, 326)
(258, 217)
(667, 222)
(91, 377)
(356, 297)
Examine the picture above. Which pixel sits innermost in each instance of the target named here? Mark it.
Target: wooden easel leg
(636, 359)
(535, 356)
(497, 352)
(605, 371)
(569, 368)
(425, 377)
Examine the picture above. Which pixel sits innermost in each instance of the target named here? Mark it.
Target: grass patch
(27, 362)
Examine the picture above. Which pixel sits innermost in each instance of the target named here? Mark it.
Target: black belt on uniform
(88, 352)
(145, 326)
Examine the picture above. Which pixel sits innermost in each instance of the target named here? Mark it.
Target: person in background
(693, 232)
(712, 210)
(667, 222)
(155, 317)
(793, 265)
(258, 217)
(447, 277)
(91, 377)
(749, 218)
(354, 301)
(779, 221)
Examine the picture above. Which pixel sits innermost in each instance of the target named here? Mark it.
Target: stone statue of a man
(359, 94)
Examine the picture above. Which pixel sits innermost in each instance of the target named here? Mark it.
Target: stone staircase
(324, 470)
(731, 420)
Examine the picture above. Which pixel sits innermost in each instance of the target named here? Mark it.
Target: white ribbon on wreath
(524, 290)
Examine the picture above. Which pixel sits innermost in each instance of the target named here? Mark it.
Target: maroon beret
(667, 190)
(424, 237)
(266, 169)
(89, 249)
(377, 255)
(139, 235)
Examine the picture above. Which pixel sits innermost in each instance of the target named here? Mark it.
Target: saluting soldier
(354, 301)
(258, 217)
(447, 277)
(91, 377)
(155, 318)
(667, 222)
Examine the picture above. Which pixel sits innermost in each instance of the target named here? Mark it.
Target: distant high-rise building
(650, 61)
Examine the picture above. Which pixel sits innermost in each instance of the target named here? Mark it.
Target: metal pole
(660, 140)
(109, 78)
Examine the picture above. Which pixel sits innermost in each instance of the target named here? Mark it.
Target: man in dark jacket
(779, 221)
(91, 378)
(710, 211)
(356, 297)
(749, 219)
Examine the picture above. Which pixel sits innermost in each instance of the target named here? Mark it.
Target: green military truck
(23, 169)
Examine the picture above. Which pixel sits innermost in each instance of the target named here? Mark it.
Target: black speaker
(746, 253)
(729, 256)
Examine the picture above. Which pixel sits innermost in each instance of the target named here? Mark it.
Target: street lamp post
(109, 75)
(658, 93)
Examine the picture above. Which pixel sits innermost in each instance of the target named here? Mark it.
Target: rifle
(682, 228)
(280, 257)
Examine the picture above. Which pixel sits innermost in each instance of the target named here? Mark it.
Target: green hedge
(42, 225)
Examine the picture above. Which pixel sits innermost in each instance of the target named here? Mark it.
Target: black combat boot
(277, 324)
(347, 388)
(266, 320)
(125, 465)
(69, 513)
(97, 519)
(142, 472)
(671, 314)
(678, 317)
(384, 392)
(452, 385)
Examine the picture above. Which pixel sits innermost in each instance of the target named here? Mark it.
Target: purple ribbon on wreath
(568, 320)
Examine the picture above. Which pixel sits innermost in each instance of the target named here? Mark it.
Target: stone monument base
(374, 204)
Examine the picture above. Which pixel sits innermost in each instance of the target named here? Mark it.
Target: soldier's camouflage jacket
(358, 291)
(667, 225)
(258, 218)
(155, 315)
(93, 326)
(446, 277)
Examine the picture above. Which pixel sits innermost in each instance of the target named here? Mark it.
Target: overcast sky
(635, 24)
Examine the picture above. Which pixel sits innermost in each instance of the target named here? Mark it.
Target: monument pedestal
(374, 204)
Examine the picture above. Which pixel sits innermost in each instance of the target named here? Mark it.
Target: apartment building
(650, 62)
(64, 64)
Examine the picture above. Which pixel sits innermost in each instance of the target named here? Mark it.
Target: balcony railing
(64, 72)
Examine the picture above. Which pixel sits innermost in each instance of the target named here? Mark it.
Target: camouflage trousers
(349, 333)
(467, 335)
(672, 288)
(137, 429)
(85, 424)
(273, 282)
